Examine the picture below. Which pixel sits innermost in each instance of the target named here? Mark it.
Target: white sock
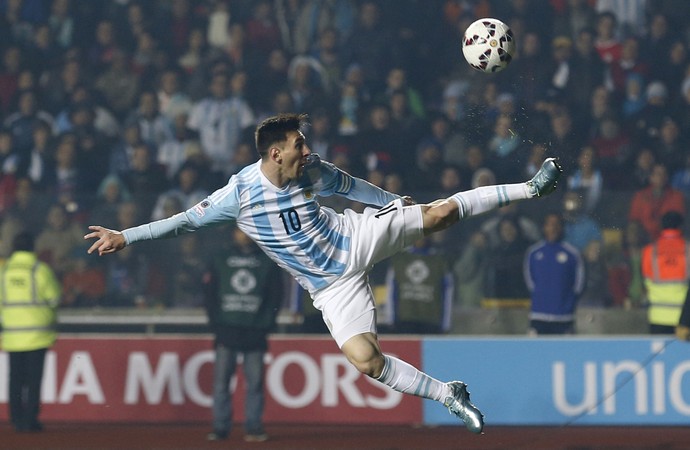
(403, 377)
(482, 199)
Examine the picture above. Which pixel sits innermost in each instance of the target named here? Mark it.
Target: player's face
(294, 154)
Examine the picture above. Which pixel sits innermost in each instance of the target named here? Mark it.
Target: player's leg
(441, 214)
(364, 352)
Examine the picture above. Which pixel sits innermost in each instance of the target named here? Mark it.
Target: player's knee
(372, 367)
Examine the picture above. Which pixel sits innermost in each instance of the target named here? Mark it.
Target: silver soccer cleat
(545, 180)
(459, 404)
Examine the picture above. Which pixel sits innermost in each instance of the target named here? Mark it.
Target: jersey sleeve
(336, 181)
(220, 207)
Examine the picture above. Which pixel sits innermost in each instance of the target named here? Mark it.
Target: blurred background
(111, 115)
(118, 112)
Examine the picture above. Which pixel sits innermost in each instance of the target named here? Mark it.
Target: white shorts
(347, 305)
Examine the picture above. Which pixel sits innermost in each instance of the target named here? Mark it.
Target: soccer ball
(488, 45)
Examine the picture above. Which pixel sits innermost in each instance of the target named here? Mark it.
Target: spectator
(587, 70)
(601, 104)
(651, 203)
(22, 122)
(506, 282)
(118, 85)
(186, 191)
(103, 120)
(402, 118)
(470, 271)
(183, 145)
(155, 127)
(504, 146)
(613, 148)
(428, 167)
(110, 195)
(220, 120)
(397, 81)
(36, 163)
(269, 79)
(643, 166)
(554, 274)
(635, 239)
(378, 146)
(573, 17)
(263, 34)
(10, 158)
(670, 146)
(634, 99)
(657, 43)
(595, 293)
(61, 235)
(83, 284)
(680, 179)
(184, 285)
(176, 24)
(9, 76)
(104, 51)
(579, 226)
(145, 179)
(564, 140)
(61, 22)
(59, 84)
(130, 280)
(29, 207)
(629, 62)
(606, 42)
(559, 72)
(328, 54)
(647, 123)
(587, 178)
(528, 72)
(673, 70)
(195, 53)
(42, 53)
(665, 271)
(321, 134)
(172, 100)
(306, 83)
(371, 44)
(526, 227)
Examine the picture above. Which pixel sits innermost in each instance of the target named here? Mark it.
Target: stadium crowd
(117, 112)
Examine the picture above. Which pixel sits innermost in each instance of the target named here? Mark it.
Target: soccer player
(274, 201)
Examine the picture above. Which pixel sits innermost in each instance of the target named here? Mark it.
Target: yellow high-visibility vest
(666, 272)
(29, 296)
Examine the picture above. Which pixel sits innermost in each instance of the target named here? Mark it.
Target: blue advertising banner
(565, 381)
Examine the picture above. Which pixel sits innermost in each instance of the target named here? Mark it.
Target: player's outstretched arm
(107, 241)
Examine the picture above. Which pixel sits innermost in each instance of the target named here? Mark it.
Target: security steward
(666, 271)
(29, 296)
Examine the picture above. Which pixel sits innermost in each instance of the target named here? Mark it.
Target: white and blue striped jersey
(311, 242)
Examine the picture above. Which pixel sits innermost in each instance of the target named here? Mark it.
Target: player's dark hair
(275, 129)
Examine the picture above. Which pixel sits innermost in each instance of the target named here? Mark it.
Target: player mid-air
(274, 201)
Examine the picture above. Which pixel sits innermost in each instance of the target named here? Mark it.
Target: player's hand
(683, 333)
(408, 201)
(107, 241)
